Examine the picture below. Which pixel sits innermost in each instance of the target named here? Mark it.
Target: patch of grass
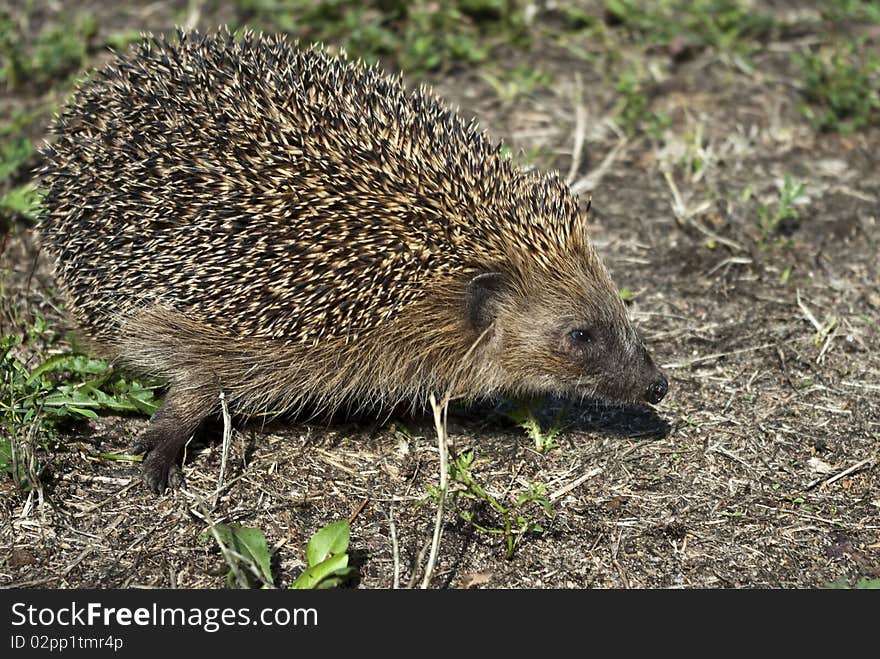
(634, 113)
(415, 36)
(690, 152)
(785, 276)
(54, 53)
(28, 61)
(122, 39)
(18, 200)
(14, 461)
(529, 158)
(64, 389)
(841, 86)
(857, 11)
(510, 521)
(521, 80)
(778, 219)
(95, 387)
(725, 25)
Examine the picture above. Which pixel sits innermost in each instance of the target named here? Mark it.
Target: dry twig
(580, 130)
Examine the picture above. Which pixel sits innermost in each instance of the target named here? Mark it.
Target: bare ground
(761, 468)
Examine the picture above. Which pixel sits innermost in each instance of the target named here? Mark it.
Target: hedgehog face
(606, 358)
(570, 336)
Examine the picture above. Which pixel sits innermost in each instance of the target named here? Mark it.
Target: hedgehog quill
(245, 216)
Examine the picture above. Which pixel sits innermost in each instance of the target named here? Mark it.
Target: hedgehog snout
(657, 384)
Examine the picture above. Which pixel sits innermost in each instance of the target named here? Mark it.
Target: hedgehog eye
(581, 336)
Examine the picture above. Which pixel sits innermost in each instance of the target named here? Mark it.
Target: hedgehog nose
(657, 389)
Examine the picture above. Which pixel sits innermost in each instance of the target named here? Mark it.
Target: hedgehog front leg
(169, 430)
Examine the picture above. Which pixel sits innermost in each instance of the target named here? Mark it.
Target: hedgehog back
(274, 191)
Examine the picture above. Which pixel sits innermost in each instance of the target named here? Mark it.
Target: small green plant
(245, 551)
(122, 39)
(690, 152)
(53, 53)
(727, 26)
(18, 200)
(327, 558)
(61, 50)
(521, 80)
(634, 108)
(99, 389)
(773, 221)
(841, 86)
(860, 11)
(38, 61)
(525, 415)
(511, 523)
(21, 201)
(62, 389)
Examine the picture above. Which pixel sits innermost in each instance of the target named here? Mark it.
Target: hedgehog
(240, 215)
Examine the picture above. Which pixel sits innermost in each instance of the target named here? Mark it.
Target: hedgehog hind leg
(162, 442)
(159, 340)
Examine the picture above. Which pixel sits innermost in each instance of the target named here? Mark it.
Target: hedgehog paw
(161, 472)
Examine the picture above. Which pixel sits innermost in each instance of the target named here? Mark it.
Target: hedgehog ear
(481, 299)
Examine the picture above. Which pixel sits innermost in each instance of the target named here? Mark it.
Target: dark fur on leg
(163, 441)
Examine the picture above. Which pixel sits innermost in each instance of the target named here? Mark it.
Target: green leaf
(125, 397)
(252, 543)
(327, 558)
(89, 414)
(67, 396)
(326, 574)
(79, 364)
(332, 539)
(144, 400)
(22, 200)
(249, 543)
(525, 416)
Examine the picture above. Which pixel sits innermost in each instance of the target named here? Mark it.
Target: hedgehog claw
(160, 470)
(161, 474)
